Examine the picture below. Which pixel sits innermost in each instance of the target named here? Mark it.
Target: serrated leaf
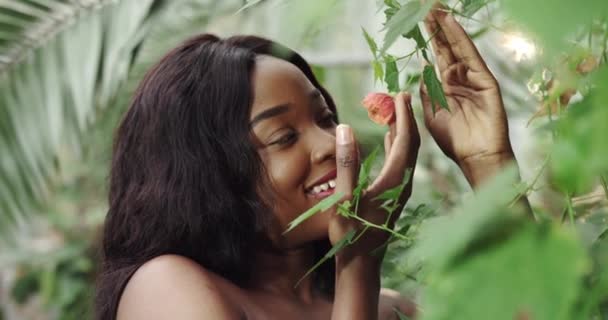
(373, 47)
(391, 76)
(378, 71)
(417, 36)
(404, 20)
(321, 206)
(394, 193)
(434, 88)
(364, 172)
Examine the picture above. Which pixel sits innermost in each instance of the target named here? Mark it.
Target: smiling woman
(227, 141)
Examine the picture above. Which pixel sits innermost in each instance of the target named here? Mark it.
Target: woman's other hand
(474, 132)
(401, 145)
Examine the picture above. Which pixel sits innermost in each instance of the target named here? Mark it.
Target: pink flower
(380, 107)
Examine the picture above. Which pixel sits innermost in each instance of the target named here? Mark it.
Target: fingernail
(344, 134)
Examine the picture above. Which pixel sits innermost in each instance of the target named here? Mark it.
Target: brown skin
(474, 135)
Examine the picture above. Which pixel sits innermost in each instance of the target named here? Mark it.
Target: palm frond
(60, 61)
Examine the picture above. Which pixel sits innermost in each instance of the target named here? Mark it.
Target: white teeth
(324, 186)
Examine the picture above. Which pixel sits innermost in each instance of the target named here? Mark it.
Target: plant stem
(569, 208)
(604, 185)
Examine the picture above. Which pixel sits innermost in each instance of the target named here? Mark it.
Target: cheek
(288, 173)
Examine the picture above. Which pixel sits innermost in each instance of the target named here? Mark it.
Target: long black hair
(185, 176)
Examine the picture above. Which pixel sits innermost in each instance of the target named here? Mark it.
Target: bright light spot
(521, 47)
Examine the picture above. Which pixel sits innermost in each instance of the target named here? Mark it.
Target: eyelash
(286, 139)
(327, 120)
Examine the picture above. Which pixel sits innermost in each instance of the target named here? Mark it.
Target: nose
(323, 145)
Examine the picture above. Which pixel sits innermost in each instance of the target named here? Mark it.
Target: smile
(323, 190)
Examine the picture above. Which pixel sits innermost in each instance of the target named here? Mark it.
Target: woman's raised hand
(474, 132)
(401, 145)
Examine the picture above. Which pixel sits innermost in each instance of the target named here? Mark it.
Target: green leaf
(394, 193)
(391, 77)
(26, 286)
(416, 35)
(373, 47)
(378, 71)
(392, 4)
(446, 237)
(404, 20)
(535, 273)
(364, 172)
(342, 243)
(469, 7)
(553, 27)
(434, 88)
(321, 206)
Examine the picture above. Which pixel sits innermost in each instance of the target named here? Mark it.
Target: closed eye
(286, 139)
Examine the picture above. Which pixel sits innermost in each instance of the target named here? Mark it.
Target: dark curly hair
(185, 177)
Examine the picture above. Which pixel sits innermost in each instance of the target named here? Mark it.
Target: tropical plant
(60, 63)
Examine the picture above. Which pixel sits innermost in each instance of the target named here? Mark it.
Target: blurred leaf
(53, 82)
(534, 274)
(580, 152)
(469, 7)
(404, 20)
(391, 77)
(553, 26)
(434, 88)
(444, 238)
(25, 286)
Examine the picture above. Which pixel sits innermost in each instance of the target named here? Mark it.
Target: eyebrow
(279, 109)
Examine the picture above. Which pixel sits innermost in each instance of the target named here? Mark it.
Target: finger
(387, 144)
(346, 161)
(401, 101)
(460, 44)
(443, 54)
(396, 161)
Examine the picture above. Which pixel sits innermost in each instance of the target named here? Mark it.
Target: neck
(277, 271)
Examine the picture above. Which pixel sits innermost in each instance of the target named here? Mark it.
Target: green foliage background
(67, 70)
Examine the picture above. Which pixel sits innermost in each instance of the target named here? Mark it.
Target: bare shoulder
(391, 299)
(175, 287)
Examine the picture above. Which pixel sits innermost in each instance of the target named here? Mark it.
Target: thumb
(347, 161)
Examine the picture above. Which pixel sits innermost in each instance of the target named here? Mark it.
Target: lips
(324, 184)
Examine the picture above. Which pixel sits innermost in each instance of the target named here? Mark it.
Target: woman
(227, 141)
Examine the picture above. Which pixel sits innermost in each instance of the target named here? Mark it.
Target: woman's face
(295, 135)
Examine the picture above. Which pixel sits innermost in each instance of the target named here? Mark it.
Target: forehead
(276, 81)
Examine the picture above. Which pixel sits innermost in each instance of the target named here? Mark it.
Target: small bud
(380, 108)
